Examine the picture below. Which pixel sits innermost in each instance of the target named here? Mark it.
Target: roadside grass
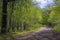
(15, 34)
(56, 28)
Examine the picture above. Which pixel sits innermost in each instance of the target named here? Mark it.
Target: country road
(45, 33)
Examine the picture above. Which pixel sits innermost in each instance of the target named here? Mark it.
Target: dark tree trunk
(4, 16)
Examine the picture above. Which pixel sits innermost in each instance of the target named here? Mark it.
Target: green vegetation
(22, 17)
(55, 16)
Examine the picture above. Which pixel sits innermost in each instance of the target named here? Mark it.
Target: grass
(15, 34)
(56, 28)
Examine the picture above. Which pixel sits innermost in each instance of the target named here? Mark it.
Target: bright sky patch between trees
(43, 3)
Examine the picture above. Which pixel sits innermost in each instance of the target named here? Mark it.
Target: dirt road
(44, 33)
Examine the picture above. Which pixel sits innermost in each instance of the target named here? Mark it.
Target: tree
(25, 15)
(4, 16)
(55, 16)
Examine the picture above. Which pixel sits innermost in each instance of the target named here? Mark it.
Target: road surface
(44, 33)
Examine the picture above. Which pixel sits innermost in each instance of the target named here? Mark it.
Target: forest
(17, 16)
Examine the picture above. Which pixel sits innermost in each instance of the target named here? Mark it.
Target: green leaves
(24, 14)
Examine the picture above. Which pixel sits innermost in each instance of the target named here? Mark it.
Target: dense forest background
(21, 15)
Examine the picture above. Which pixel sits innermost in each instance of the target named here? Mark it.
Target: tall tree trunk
(10, 21)
(4, 16)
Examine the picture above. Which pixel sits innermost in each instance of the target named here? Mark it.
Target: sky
(42, 3)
